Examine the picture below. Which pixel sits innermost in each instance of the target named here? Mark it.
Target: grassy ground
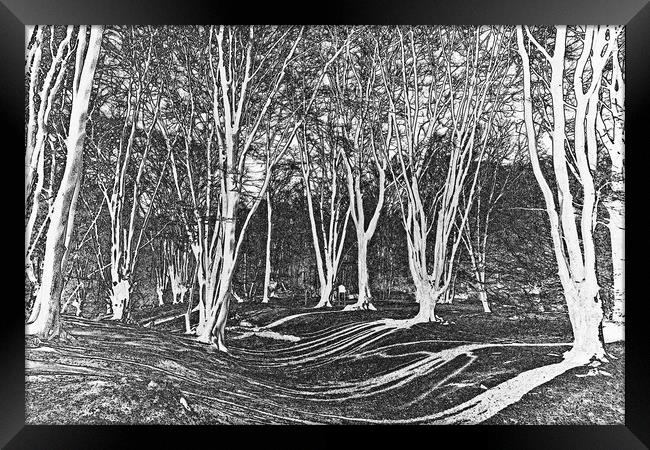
(344, 369)
(573, 398)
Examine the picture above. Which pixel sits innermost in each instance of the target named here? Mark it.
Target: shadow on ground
(339, 367)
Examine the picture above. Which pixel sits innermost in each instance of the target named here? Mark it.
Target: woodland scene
(324, 224)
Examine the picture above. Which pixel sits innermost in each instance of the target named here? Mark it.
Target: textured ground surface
(296, 365)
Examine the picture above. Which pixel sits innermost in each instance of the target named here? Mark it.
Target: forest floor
(291, 364)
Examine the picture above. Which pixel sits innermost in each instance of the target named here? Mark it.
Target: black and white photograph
(324, 224)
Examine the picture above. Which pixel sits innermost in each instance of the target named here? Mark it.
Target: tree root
(408, 323)
(65, 338)
(60, 336)
(214, 344)
(581, 357)
(326, 305)
(360, 307)
(489, 403)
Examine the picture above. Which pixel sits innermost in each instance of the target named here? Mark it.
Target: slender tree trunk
(615, 328)
(203, 296)
(267, 265)
(327, 266)
(616, 209)
(482, 295)
(47, 324)
(477, 257)
(451, 291)
(159, 293)
(160, 272)
(177, 262)
(220, 325)
(188, 323)
(325, 294)
(364, 300)
(363, 234)
(190, 300)
(175, 279)
(482, 291)
(203, 329)
(362, 273)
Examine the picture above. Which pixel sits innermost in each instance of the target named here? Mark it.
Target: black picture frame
(14, 14)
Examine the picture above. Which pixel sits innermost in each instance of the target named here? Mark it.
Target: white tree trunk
(482, 295)
(333, 239)
(159, 293)
(267, 264)
(427, 298)
(617, 239)
(364, 299)
(203, 296)
(325, 295)
(364, 234)
(426, 292)
(362, 274)
(120, 298)
(482, 291)
(614, 328)
(586, 315)
(576, 262)
(47, 323)
(217, 312)
(175, 281)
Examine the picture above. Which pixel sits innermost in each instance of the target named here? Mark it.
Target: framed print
(379, 214)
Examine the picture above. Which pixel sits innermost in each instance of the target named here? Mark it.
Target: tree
(437, 108)
(160, 264)
(179, 269)
(134, 107)
(267, 260)
(282, 181)
(246, 67)
(353, 88)
(497, 175)
(321, 180)
(45, 323)
(41, 131)
(610, 120)
(573, 245)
